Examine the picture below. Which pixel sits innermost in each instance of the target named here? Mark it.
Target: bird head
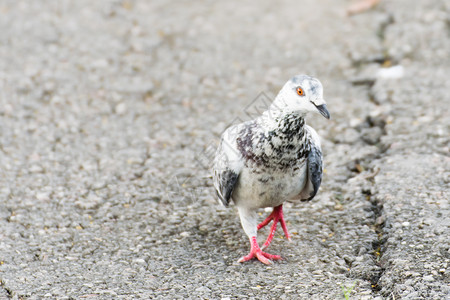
(302, 94)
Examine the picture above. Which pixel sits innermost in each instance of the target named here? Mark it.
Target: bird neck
(275, 119)
(290, 124)
(289, 130)
(283, 145)
(276, 141)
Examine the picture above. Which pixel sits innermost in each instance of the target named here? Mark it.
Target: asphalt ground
(109, 113)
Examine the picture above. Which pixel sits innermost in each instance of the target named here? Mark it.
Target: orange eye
(300, 91)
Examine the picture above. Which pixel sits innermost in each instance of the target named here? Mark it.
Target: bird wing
(314, 169)
(228, 164)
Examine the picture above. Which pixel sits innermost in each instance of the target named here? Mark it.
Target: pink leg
(256, 252)
(285, 230)
(276, 216)
(266, 221)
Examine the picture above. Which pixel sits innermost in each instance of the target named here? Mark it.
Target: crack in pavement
(377, 218)
(379, 244)
(376, 207)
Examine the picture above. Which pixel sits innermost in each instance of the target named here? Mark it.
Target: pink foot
(255, 251)
(276, 216)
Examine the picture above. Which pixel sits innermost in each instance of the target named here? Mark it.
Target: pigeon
(274, 158)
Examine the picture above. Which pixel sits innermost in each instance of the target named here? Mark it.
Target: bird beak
(323, 110)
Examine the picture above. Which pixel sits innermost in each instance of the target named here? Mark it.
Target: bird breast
(257, 189)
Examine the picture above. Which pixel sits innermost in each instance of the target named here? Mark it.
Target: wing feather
(314, 170)
(314, 162)
(227, 165)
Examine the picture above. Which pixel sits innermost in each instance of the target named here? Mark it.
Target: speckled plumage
(277, 149)
(273, 158)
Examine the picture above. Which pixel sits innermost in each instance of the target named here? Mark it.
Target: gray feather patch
(315, 169)
(226, 182)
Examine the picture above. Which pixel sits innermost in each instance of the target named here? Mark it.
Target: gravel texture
(110, 111)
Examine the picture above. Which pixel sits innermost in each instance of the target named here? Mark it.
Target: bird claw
(263, 257)
(256, 252)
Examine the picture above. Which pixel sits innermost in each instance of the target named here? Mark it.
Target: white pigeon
(272, 159)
